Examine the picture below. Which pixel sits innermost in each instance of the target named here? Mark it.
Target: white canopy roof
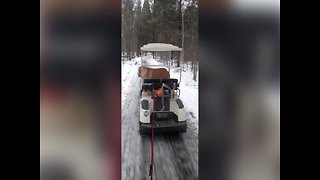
(160, 47)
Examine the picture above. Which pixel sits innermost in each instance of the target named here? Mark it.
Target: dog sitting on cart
(160, 94)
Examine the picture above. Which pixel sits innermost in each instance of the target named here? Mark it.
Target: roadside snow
(128, 73)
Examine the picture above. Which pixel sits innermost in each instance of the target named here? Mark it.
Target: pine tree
(146, 22)
(127, 28)
(138, 27)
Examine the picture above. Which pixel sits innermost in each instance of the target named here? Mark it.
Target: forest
(161, 21)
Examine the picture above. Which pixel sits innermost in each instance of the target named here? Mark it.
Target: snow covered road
(176, 156)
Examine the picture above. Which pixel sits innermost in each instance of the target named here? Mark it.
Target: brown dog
(149, 73)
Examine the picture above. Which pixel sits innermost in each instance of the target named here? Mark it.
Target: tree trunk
(171, 58)
(195, 70)
(192, 66)
(181, 35)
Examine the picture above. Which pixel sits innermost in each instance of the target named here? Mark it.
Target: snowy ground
(176, 156)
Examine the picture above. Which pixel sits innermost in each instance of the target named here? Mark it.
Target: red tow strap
(152, 140)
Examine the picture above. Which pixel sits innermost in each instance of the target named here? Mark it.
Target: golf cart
(160, 106)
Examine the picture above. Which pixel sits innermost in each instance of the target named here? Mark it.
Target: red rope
(152, 140)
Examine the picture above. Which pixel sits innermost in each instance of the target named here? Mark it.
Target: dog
(149, 73)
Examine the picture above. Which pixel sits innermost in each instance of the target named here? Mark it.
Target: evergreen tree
(127, 26)
(147, 23)
(138, 27)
